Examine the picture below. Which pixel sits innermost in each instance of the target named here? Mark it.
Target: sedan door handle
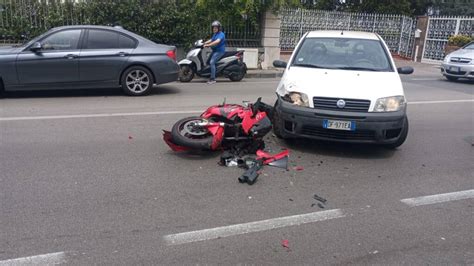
(71, 56)
(122, 54)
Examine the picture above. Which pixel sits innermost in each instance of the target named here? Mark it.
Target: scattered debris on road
(285, 243)
(238, 130)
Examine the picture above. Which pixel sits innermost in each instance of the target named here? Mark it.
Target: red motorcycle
(223, 126)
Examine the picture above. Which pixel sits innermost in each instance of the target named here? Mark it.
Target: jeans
(215, 56)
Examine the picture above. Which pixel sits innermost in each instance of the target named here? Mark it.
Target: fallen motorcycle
(237, 129)
(223, 126)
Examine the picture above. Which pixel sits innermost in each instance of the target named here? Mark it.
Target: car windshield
(343, 53)
(469, 46)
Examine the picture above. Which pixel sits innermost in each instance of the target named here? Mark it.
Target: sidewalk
(420, 69)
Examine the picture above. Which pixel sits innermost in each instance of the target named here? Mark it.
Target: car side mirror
(36, 47)
(406, 70)
(280, 64)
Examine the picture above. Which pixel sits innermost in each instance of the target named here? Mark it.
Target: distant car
(459, 64)
(342, 86)
(81, 57)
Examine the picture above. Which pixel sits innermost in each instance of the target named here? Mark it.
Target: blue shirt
(220, 47)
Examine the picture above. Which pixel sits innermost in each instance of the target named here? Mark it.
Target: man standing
(217, 43)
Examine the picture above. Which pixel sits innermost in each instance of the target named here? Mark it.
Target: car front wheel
(137, 81)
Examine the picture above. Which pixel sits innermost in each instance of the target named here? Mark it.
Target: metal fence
(398, 31)
(438, 32)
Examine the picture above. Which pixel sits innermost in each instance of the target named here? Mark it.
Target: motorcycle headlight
(297, 98)
(390, 104)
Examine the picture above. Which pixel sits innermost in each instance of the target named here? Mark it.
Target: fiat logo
(341, 103)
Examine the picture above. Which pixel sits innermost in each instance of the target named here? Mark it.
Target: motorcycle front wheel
(186, 133)
(186, 73)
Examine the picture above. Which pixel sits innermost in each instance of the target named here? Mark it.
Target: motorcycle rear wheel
(185, 134)
(237, 77)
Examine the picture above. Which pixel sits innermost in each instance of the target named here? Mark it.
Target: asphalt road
(86, 179)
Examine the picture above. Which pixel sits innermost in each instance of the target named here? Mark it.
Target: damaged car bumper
(367, 127)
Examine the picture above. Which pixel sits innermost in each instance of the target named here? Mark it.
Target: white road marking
(45, 259)
(439, 198)
(245, 228)
(48, 117)
(445, 101)
(422, 79)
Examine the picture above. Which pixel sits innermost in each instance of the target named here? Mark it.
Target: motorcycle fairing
(249, 120)
(226, 110)
(278, 160)
(217, 139)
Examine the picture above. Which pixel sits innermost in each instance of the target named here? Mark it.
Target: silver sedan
(459, 64)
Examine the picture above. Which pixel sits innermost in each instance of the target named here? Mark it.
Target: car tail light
(171, 54)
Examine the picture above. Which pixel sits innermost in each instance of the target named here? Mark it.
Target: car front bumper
(457, 70)
(377, 128)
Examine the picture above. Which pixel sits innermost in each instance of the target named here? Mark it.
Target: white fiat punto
(342, 86)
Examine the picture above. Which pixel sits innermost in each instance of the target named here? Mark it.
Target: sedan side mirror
(280, 64)
(405, 70)
(36, 47)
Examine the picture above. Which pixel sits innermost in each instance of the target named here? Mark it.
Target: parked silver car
(88, 57)
(459, 64)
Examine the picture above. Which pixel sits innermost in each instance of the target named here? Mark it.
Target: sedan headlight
(446, 59)
(390, 104)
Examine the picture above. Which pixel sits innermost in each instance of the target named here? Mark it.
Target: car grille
(460, 60)
(338, 134)
(352, 105)
(456, 73)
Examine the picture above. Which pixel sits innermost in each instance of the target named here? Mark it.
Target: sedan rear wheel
(137, 81)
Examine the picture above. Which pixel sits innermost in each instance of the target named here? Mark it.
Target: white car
(459, 64)
(342, 86)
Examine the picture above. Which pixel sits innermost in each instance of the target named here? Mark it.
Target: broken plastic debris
(130, 137)
(298, 168)
(285, 243)
(318, 198)
(320, 205)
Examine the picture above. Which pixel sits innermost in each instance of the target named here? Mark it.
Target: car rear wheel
(137, 81)
(451, 78)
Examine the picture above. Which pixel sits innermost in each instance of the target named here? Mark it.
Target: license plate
(339, 125)
(455, 69)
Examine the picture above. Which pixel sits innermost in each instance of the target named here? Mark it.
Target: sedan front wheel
(137, 81)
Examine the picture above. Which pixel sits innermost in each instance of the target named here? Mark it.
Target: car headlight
(446, 59)
(390, 104)
(290, 94)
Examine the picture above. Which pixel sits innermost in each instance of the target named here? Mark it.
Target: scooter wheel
(237, 77)
(186, 73)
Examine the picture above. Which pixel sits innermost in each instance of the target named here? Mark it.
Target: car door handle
(122, 54)
(71, 56)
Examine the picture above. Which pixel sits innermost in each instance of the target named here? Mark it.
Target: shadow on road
(337, 149)
(159, 90)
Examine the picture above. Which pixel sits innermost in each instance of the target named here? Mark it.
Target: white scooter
(231, 64)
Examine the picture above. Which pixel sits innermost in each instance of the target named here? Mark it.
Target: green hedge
(165, 21)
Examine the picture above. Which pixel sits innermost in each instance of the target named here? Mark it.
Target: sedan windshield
(343, 53)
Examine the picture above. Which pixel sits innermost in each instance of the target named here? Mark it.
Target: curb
(264, 75)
